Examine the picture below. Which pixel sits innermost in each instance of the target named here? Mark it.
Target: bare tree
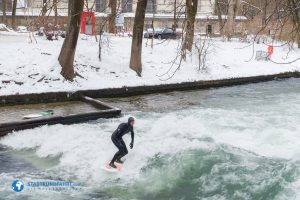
(152, 24)
(67, 53)
(230, 23)
(174, 18)
(4, 11)
(219, 13)
(137, 37)
(294, 6)
(202, 47)
(44, 7)
(55, 10)
(264, 13)
(106, 42)
(112, 17)
(191, 11)
(13, 17)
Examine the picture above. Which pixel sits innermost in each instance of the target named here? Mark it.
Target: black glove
(131, 145)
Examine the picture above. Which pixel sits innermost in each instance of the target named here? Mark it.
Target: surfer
(118, 141)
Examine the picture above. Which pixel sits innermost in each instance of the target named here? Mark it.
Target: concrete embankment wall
(137, 90)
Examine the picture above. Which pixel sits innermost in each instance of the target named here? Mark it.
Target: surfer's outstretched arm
(132, 139)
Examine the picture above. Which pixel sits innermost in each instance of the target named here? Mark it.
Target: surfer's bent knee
(125, 151)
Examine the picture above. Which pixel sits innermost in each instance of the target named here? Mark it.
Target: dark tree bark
(44, 8)
(112, 17)
(218, 9)
(191, 11)
(66, 56)
(137, 37)
(13, 17)
(4, 11)
(55, 10)
(230, 23)
(264, 13)
(295, 19)
(174, 18)
(69, 10)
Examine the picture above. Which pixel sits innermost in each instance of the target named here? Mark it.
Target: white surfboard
(108, 168)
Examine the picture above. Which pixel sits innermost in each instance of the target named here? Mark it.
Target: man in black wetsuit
(116, 138)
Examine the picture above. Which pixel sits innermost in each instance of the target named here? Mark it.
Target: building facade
(123, 6)
(163, 13)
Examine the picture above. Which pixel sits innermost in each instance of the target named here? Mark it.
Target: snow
(22, 29)
(3, 27)
(4, 30)
(33, 67)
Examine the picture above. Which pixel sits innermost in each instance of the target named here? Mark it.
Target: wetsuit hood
(130, 119)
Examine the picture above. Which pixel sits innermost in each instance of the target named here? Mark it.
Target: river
(240, 142)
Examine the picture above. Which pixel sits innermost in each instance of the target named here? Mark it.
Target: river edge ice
(33, 67)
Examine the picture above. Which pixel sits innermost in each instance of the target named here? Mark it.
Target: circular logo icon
(17, 185)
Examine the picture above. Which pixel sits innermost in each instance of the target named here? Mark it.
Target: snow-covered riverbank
(33, 68)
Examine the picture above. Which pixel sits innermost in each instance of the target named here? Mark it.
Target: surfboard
(37, 115)
(108, 168)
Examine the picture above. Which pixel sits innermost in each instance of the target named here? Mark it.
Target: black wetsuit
(116, 138)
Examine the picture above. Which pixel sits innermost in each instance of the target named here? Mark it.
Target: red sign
(270, 50)
(88, 23)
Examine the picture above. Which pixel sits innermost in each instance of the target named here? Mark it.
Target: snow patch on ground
(33, 67)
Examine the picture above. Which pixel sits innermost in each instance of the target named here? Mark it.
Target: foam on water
(245, 145)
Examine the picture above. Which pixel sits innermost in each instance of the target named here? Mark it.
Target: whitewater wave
(176, 150)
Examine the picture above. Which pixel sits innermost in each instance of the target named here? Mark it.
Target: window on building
(126, 5)
(209, 29)
(22, 4)
(151, 6)
(100, 5)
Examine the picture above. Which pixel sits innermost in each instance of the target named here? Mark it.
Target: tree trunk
(69, 10)
(112, 17)
(13, 14)
(295, 19)
(218, 9)
(191, 11)
(175, 18)
(66, 56)
(298, 36)
(137, 37)
(4, 11)
(230, 23)
(55, 11)
(152, 24)
(44, 8)
(264, 14)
